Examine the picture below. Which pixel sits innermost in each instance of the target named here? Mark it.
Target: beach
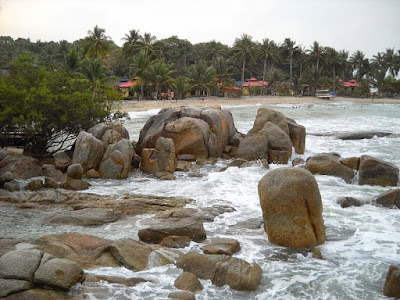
(135, 105)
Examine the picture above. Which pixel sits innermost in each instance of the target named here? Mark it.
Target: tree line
(201, 69)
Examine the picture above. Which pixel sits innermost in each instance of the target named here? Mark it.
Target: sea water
(362, 242)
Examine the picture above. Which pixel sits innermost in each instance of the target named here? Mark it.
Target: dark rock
(362, 135)
(11, 286)
(34, 185)
(83, 217)
(75, 171)
(50, 183)
(374, 171)
(183, 165)
(188, 282)
(190, 227)
(6, 177)
(76, 184)
(21, 166)
(222, 246)
(11, 186)
(181, 296)
(254, 147)
(186, 157)
(62, 160)
(392, 283)
(390, 198)
(327, 164)
(3, 153)
(49, 170)
(292, 208)
(222, 269)
(349, 201)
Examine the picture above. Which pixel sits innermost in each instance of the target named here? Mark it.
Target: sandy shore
(134, 105)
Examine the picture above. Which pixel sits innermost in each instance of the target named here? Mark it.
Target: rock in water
(389, 199)
(159, 159)
(88, 151)
(292, 208)
(392, 283)
(374, 171)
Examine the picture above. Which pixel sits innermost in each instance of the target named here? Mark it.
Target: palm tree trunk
(265, 69)
(243, 67)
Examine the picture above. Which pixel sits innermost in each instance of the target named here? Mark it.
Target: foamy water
(361, 242)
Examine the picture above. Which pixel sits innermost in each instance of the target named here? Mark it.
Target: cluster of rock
(371, 171)
(272, 138)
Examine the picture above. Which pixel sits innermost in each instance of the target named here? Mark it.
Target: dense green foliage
(48, 107)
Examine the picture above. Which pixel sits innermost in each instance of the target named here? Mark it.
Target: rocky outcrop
(84, 217)
(76, 184)
(188, 282)
(374, 171)
(222, 270)
(392, 283)
(62, 160)
(49, 170)
(363, 135)
(199, 132)
(34, 185)
(192, 228)
(292, 208)
(107, 132)
(22, 270)
(222, 246)
(20, 166)
(272, 137)
(389, 199)
(328, 164)
(88, 151)
(6, 177)
(162, 158)
(117, 159)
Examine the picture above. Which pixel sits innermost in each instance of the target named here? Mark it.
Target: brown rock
(49, 170)
(11, 186)
(188, 282)
(38, 294)
(62, 160)
(389, 198)
(160, 159)
(131, 254)
(349, 201)
(392, 283)
(175, 241)
(130, 281)
(21, 166)
(116, 162)
(297, 136)
(83, 217)
(327, 164)
(50, 183)
(6, 177)
(181, 296)
(75, 171)
(298, 161)
(92, 173)
(12, 286)
(34, 185)
(265, 115)
(351, 162)
(76, 184)
(222, 246)
(88, 151)
(292, 208)
(374, 171)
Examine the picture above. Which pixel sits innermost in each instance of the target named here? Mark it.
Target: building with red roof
(254, 82)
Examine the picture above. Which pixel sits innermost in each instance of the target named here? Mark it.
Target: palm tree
(333, 63)
(182, 86)
(301, 59)
(140, 65)
(132, 42)
(147, 43)
(96, 44)
(244, 49)
(268, 51)
(201, 77)
(345, 65)
(357, 61)
(391, 62)
(314, 78)
(213, 50)
(223, 72)
(378, 62)
(72, 62)
(160, 76)
(95, 72)
(316, 54)
(290, 50)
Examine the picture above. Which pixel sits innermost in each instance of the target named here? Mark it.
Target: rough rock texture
(106, 132)
(21, 166)
(76, 184)
(351, 162)
(189, 282)
(6, 177)
(84, 217)
(193, 228)
(362, 135)
(62, 160)
(3, 152)
(327, 164)
(222, 246)
(348, 202)
(374, 171)
(222, 269)
(389, 199)
(11, 286)
(34, 185)
(88, 151)
(51, 171)
(292, 208)
(199, 132)
(181, 296)
(75, 171)
(38, 294)
(175, 241)
(162, 158)
(116, 162)
(392, 283)
(20, 264)
(272, 137)
(11, 186)
(50, 183)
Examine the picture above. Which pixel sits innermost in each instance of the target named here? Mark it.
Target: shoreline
(135, 105)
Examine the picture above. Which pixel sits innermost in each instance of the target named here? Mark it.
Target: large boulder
(21, 166)
(20, 264)
(389, 198)
(188, 282)
(327, 164)
(222, 270)
(297, 135)
(195, 131)
(62, 160)
(88, 151)
(107, 132)
(265, 115)
(116, 162)
(6, 177)
(83, 217)
(292, 208)
(392, 283)
(373, 171)
(162, 158)
(254, 147)
(75, 171)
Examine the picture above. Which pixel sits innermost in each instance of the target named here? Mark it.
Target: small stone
(92, 173)
(298, 161)
(189, 282)
(316, 253)
(349, 201)
(75, 171)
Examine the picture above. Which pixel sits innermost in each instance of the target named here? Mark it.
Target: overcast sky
(367, 25)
